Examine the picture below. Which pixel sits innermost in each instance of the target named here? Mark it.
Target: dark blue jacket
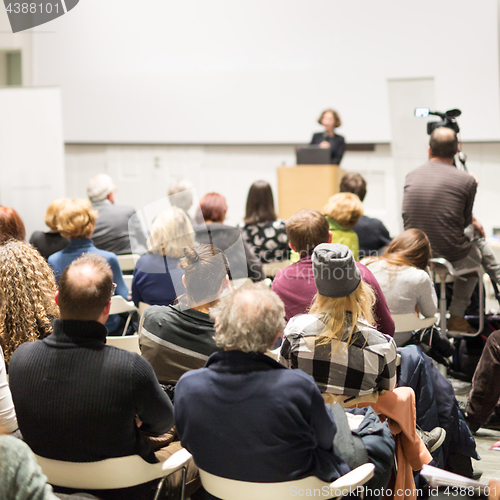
(436, 404)
(246, 417)
(157, 280)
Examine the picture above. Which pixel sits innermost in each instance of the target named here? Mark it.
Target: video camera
(448, 119)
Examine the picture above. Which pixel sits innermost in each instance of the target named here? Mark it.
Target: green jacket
(341, 234)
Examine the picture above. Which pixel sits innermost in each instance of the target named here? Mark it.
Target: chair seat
(411, 322)
(231, 489)
(111, 473)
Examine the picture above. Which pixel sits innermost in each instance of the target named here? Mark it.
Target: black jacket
(337, 145)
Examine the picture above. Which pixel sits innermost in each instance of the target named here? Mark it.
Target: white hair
(248, 319)
(180, 194)
(99, 187)
(171, 231)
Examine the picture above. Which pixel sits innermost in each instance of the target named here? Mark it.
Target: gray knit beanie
(335, 270)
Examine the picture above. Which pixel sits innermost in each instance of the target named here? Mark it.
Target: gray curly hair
(248, 319)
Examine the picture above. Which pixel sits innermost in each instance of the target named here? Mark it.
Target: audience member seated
(11, 225)
(244, 416)
(117, 229)
(295, 284)
(210, 229)
(180, 195)
(262, 230)
(336, 342)
(157, 278)
(76, 222)
(50, 242)
(21, 477)
(178, 338)
(438, 200)
(28, 286)
(483, 406)
(373, 236)
(402, 274)
(342, 211)
(104, 401)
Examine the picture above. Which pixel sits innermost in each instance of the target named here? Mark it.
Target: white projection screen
(234, 72)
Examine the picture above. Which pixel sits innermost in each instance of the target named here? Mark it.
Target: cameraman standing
(438, 200)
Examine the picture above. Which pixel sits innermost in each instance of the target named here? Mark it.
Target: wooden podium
(306, 186)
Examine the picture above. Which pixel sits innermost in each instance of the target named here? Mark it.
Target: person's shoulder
(14, 450)
(191, 381)
(125, 209)
(415, 275)
(23, 352)
(55, 257)
(278, 224)
(375, 340)
(109, 256)
(305, 324)
(159, 314)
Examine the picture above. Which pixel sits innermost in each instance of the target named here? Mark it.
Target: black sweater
(77, 399)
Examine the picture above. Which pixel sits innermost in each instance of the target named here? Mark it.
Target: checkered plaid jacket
(367, 365)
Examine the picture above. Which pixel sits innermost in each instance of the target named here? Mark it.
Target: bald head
(443, 143)
(248, 319)
(85, 288)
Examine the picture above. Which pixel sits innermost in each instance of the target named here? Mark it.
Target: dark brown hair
(443, 143)
(306, 230)
(11, 225)
(353, 183)
(204, 267)
(336, 117)
(410, 248)
(213, 207)
(85, 299)
(260, 203)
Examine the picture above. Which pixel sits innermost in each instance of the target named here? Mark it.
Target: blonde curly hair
(28, 287)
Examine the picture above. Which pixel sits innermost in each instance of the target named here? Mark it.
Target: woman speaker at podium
(330, 119)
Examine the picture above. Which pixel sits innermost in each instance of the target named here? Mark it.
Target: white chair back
(411, 322)
(128, 281)
(231, 489)
(112, 473)
(127, 262)
(129, 343)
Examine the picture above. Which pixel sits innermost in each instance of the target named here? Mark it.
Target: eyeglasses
(113, 290)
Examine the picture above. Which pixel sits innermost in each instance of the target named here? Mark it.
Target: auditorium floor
(490, 460)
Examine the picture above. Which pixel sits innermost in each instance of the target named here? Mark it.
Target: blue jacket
(59, 261)
(157, 280)
(436, 405)
(246, 417)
